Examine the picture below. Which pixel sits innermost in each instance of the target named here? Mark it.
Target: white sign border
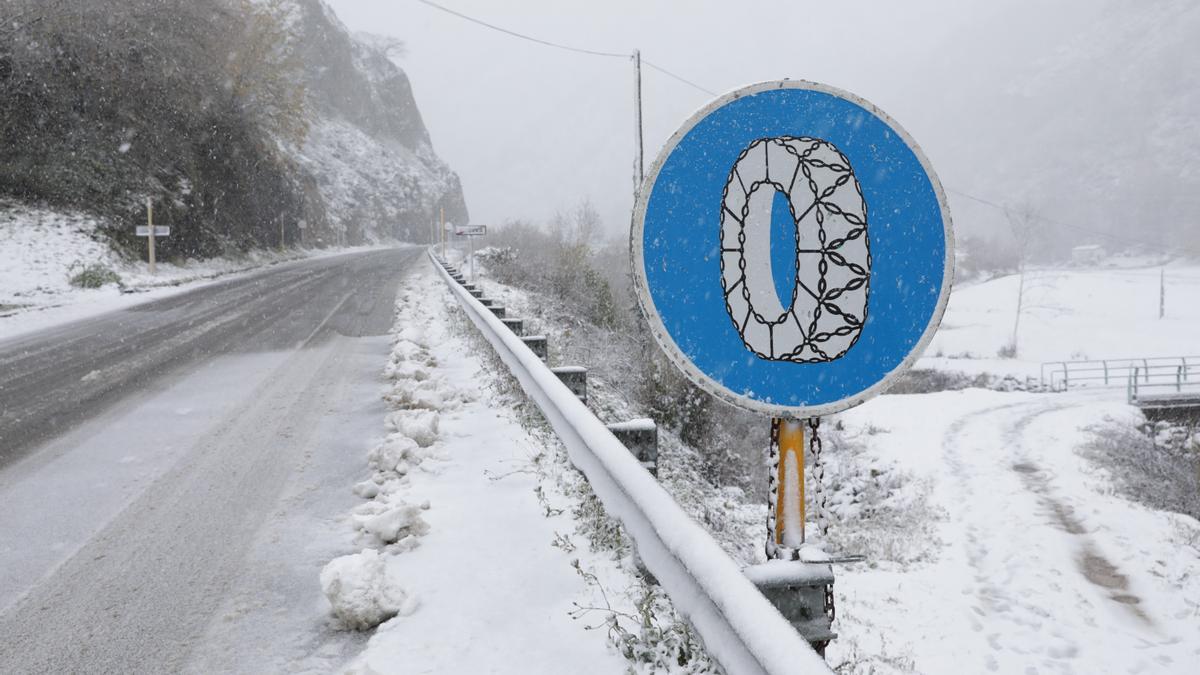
(672, 350)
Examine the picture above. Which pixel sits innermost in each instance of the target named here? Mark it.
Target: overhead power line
(530, 38)
(680, 78)
(559, 45)
(1080, 228)
(668, 73)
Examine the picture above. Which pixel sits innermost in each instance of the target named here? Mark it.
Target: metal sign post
(150, 232)
(792, 252)
(470, 232)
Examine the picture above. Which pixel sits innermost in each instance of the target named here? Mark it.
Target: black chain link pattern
(815, 341)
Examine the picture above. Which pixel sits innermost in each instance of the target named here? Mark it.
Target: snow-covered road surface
(52, 379)
(176, 450)
(1041, 569)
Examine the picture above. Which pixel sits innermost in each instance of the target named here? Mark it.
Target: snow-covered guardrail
(739, 626)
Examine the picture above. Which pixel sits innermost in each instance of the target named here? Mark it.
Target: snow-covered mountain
(371, 171)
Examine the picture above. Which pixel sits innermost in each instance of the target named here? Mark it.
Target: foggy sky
(532, 130)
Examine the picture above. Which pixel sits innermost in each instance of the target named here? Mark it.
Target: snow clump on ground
(363, 592)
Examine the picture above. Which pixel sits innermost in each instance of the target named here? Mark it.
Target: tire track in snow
(996, 511)
(1090, 561)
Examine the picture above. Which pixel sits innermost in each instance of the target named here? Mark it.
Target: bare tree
(1024, 226)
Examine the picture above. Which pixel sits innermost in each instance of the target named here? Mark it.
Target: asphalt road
(141, 591)
(53, 379)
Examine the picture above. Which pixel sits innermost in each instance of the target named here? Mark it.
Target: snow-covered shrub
(95, 275)
(653, 637)
(363, 591)
(1156, 465)
(873, 508)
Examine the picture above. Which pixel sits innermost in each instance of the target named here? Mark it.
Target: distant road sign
(159, 230)
(792, 249)
(471, 231)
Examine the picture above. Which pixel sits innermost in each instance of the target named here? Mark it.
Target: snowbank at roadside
(42, 249)
(471, 556)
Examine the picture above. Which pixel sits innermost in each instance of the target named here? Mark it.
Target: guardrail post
(517, 326)
(641, 437)
(537, 344)
(802, 593)
(575, 377)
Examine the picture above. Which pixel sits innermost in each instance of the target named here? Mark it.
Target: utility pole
(1162, 292)
(442, 228)
(637, 96)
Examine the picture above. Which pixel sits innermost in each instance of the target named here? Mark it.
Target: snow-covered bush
(95, 275)
(1157, 465)
(873, 508)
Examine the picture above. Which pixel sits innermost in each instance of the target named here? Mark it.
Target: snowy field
(992, 543)
(41, 249)
(1069, 315)
(1031, 562)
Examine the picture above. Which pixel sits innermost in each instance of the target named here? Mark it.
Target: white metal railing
(1155, 370)
(740, 628)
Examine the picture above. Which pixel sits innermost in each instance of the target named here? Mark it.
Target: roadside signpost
(792, 252)
(151, 232)
(470, 232)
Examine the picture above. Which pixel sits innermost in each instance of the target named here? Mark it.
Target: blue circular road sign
(792, 249)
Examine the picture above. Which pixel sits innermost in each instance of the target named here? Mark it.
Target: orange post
(789, 500)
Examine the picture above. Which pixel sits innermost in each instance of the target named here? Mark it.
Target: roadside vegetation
(1157, 465)
(107, 102)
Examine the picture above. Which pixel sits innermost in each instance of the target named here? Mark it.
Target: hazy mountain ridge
(1098, 127)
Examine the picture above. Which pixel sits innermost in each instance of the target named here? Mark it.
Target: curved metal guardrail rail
(740, 627)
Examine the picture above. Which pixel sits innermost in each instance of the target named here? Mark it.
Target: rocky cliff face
(370, 169)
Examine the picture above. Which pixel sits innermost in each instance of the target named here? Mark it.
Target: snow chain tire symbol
(833, 258)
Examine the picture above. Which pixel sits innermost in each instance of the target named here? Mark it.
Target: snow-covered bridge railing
(740, 627)
(1158, 370)
(1166, 397)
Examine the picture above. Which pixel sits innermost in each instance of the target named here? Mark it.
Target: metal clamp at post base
(803, 594)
